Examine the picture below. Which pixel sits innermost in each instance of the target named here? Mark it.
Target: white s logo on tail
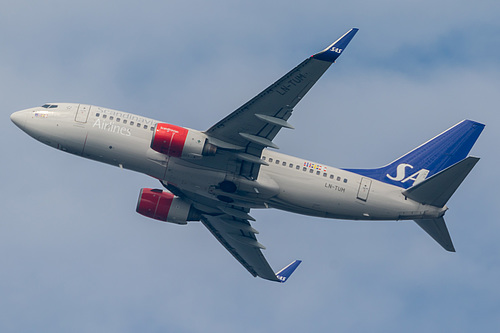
(417, 177)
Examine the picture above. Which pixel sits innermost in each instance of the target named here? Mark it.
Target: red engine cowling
(164, 206)
(181, 142)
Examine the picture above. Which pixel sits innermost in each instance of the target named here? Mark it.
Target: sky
(76, 257)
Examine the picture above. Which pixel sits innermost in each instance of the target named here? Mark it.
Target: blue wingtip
(285, 273)
(332, 52)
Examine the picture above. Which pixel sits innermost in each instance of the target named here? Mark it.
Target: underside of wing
(238, 237)
(253, 126)
(237, 142)
(231, 227)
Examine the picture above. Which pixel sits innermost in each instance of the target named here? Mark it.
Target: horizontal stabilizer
(285, 273)
(436, 228)
(438, 189)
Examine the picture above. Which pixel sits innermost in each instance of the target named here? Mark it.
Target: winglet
(285, 273)
(332, 52)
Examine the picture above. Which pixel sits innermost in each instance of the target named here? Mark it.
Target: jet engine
(164, 206)
(181, 142)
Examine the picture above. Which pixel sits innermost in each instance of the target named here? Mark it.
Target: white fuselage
(288, 183)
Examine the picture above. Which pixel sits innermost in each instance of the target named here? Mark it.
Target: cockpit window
(49, 106)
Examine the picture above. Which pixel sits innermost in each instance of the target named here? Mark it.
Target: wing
(230, 225)
(241, 137)
(238, 237)
(253, 126)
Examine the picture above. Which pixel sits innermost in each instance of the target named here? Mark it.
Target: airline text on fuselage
(128, 116)
(111, 127)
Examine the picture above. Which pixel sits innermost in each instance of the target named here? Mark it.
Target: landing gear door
(82, 113)
(364, 188)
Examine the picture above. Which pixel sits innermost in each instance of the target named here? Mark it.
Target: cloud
(77, 257)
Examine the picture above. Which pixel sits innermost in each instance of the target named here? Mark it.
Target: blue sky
(76, 257)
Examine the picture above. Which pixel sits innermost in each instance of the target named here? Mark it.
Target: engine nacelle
(181, 142)
(164, 206)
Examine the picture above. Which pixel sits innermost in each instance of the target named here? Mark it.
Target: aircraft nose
(19, 118)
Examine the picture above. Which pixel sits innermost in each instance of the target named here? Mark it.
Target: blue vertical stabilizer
(437, 154)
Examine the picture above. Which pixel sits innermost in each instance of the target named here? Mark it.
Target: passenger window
(270, 159)
(131, 123)
(152, 128)
(283, 164)
(277, 161)
(297, 167)
(338, 178)
(104, 116)
(124, 121)
(311, 170)
(263, 158)
(318, 172)
(291, 165)
(118, 119)
(97, 114)
(138, 125)
(345, 180)
(324, 175)
(145, 126)
(331, 176)
(304, 169)
(110, 117)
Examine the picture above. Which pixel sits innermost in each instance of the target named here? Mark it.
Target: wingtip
(287, 271)
(332, 52)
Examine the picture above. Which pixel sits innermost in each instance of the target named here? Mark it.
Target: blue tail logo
(416, 177)
(435, 155)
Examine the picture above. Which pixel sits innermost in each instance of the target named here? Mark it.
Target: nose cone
(19, 118)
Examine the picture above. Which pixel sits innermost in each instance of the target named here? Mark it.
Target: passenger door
(82, 113)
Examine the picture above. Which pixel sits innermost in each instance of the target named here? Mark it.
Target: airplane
(218, 175)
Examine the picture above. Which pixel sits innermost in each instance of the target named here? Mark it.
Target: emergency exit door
(82, 113)
(364, 188)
